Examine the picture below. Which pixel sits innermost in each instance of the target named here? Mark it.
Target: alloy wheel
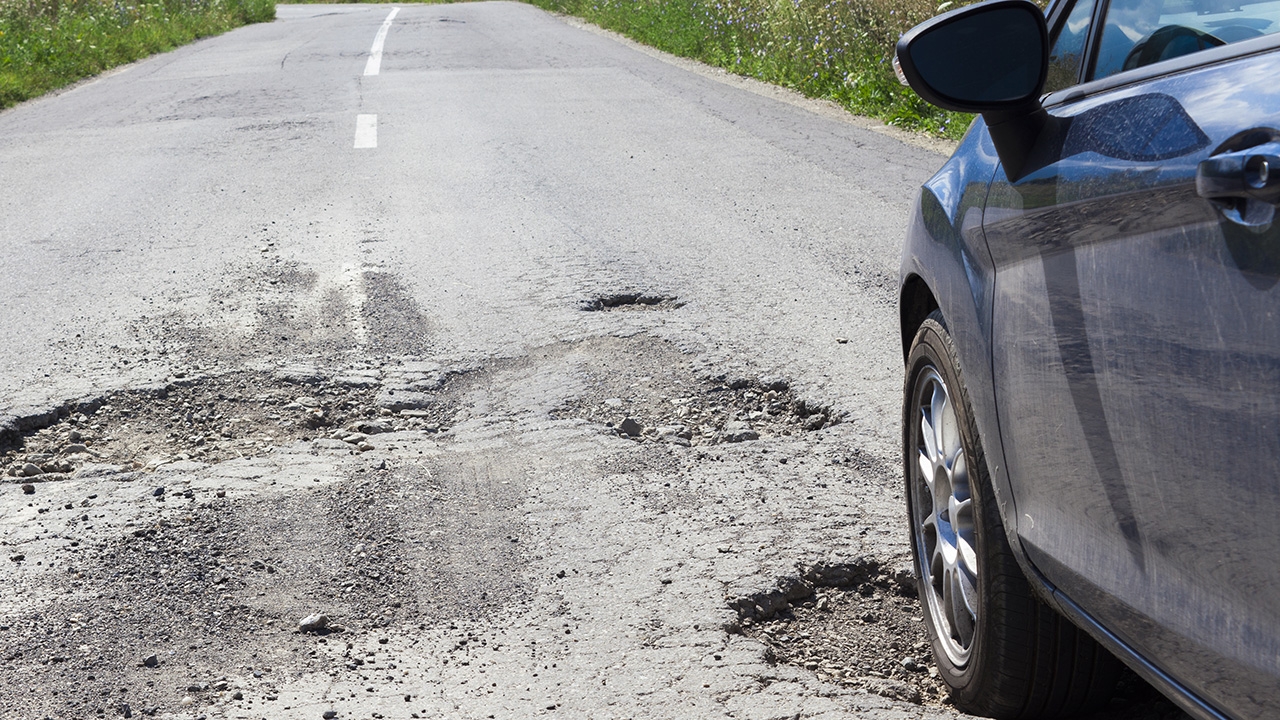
(943, 517)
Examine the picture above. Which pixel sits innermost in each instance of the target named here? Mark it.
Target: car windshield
(1141, 32)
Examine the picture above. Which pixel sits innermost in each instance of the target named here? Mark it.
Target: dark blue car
(1090, 315)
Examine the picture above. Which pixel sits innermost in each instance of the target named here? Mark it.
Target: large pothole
(220, 417)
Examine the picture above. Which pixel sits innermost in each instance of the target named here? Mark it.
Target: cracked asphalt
(575, 396)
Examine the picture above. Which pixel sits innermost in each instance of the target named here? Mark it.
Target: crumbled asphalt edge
(213, 418)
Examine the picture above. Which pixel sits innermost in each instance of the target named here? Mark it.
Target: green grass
(840, 50)
(48, 44)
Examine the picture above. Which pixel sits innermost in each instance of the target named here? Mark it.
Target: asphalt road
(528, 229)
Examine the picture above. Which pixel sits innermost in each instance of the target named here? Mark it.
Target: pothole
(649, 392)
(632, 301)
(213, 418)
(856, 624)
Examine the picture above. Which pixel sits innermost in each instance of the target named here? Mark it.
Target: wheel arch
(915, 302)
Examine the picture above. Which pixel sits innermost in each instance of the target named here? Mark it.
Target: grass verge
(48, 44)
(839, 50)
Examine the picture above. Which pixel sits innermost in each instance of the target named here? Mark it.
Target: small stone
(237, 695)
(307, 401)
(737, 431)
(815, 422)
(329, 714)
(74, 448)
(364, 447)
(75, 436)
(18, 557)
(371, 427)
(151, 661)
(397, 400)
(909, 663)
(674, 432)
(842, 340)
(630, 427)
(158, 492)
(774, 383)
(28, 489)
(126, 711)
(613, 402)
(31, 470)
(314, 622)
(187, 701)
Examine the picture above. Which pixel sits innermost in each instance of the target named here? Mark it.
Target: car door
(1137, 358)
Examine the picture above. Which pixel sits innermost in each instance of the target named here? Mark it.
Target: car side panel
(1137, 369)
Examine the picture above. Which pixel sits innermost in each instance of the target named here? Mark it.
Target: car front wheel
(1001, 651)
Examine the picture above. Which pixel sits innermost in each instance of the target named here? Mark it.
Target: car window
(1068, 48)
(1140, 32)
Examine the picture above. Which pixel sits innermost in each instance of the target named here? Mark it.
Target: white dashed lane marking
(375, 54)
(366, 131)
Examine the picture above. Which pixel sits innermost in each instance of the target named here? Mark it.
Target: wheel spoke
(926, 472)
(928, 434)
(940, 413)
(962, 611)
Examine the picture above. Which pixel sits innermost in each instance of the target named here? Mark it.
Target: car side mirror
(991, 58)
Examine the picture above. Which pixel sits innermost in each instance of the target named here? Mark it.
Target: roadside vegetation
(840, 50)
(48, 44)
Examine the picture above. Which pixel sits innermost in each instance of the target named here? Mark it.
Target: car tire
(1002, 652)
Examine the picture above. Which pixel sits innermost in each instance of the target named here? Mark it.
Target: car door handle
(1246, 174)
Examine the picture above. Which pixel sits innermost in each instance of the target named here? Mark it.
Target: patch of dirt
(214, 418)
